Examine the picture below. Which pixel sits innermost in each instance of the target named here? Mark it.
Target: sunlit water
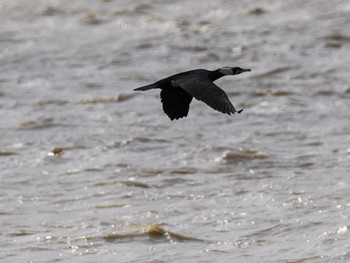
(94, 172)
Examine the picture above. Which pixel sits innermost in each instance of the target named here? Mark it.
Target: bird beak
(245, 70)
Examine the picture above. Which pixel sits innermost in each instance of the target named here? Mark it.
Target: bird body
(178, 90)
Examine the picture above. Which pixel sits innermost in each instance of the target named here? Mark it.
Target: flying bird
(178, 90)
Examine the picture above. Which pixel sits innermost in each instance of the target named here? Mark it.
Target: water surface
(94, 172)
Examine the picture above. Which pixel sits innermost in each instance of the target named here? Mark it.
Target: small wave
(257, 10)
(134, 184)
(244, 154)
(38, 124)
(265, 92)
(157, 231)
(273, 72)
(337, 36)
(51, 11)
(139, 139)
(154, 231)
(45, 102)
(184, 170)
(120, 97)
(93, 18)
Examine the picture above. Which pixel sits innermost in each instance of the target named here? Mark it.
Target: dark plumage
(178, 90)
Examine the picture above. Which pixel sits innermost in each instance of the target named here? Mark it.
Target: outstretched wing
(205, 90)
(176, 103)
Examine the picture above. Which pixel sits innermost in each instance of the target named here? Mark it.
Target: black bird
(178, 90)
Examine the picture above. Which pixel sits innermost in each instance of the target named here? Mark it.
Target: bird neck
(214, 75)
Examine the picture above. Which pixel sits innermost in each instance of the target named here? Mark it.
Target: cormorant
(178, 90)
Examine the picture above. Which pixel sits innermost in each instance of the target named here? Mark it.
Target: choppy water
(94, 172)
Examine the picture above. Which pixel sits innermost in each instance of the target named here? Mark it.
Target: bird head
(232, 70)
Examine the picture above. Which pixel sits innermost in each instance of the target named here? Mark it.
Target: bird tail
(147, 87)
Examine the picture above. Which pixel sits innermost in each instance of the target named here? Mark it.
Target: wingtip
(234, 112)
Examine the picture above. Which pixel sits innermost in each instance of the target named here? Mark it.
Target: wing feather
(176, 103)
(205, 90)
